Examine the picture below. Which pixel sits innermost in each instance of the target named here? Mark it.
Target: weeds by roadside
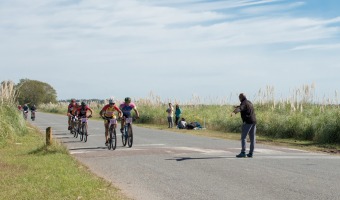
(31, 170)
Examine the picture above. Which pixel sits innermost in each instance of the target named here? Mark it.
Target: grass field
(300, 117)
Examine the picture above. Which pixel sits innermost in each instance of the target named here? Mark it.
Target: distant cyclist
(82, 112)
(126, 108)
(71, 110)
(107, 113)
(25, 111)
(33, 109)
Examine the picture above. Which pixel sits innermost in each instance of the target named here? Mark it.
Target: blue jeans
(251, 130)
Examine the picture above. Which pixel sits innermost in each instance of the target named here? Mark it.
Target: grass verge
(31, 170)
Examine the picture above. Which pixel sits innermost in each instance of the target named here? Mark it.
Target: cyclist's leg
(69, 122)
(122, 124)
(106, 125)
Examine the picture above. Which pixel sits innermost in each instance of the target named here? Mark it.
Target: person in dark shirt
(33, 108)
(248, 116)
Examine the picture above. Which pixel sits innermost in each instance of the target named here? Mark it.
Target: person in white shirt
(170, 112)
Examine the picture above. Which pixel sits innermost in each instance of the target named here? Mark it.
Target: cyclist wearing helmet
(71, 109)
(82, 112)
(25, 110)
(126, 108)
(107, 113)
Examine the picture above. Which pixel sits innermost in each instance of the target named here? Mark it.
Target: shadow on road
(59, 134)
(64, 137)
(87, 148)
(77, 141)
(200, 158)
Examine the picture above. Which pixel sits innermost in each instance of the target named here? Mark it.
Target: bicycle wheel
(81, 133)
(110, 138)
(85, 133)
(124, 136)
(130, 135)
(75, 130)
(71, 129)
(114, 139)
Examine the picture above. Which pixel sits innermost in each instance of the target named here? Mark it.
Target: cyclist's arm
(136, 111)
(91, 111)
(120, 113)
(101, 113)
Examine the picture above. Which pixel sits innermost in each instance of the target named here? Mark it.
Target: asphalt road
(168, 165)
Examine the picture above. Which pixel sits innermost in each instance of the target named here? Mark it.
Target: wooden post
(49, 136)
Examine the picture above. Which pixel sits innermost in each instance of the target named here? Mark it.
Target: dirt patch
(332, 151)
(5, 166)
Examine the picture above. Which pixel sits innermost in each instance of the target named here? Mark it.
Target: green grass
(313, 123)
(31, 170)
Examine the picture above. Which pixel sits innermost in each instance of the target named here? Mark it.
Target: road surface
(169, 165)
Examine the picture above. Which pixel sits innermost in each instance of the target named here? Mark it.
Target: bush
(12, 124)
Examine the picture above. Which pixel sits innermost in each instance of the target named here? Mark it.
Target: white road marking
(204, 151)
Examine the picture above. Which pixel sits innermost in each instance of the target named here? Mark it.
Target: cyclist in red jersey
(107, 113)
(82, 112)
(71, 109)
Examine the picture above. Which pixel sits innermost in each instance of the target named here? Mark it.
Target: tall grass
(300, 116)
(12, 123)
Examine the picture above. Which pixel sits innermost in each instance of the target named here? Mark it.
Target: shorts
(107, 120)
(127, 115)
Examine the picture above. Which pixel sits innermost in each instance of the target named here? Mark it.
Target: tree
(35, 92)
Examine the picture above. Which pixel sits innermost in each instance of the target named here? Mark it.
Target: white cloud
(317, 47)
(272, 8)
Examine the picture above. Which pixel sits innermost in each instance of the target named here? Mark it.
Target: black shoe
(250, 155)
(241, 155)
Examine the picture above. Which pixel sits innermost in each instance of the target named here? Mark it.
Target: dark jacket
(247, 112)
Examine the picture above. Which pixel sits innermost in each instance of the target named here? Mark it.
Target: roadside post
(48, 136)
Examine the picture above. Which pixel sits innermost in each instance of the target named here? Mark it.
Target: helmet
(83, 103)
(111, 101)
(127, 99)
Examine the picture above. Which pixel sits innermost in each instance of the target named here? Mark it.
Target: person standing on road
(178, 113)
(170, 112)
(248, 127)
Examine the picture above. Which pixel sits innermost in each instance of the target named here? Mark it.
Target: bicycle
(112, 133)
(83, 128)
(33, 115)
(127, 136)
(74, 126)
(25, 113)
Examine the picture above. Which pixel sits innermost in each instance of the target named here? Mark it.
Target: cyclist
(107, 113)
(25, 110)
(126, 108)
(33, 109)
(82, 112)
(71, 109)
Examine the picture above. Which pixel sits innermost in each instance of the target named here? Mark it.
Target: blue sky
(175, 49)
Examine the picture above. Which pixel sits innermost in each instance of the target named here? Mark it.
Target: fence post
(49, 136)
